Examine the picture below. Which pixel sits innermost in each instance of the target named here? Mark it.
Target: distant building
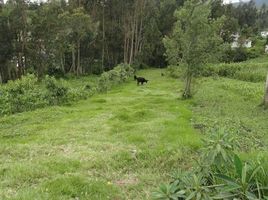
(236, 43)
(266, 49)
(247, 43)
(264, 34)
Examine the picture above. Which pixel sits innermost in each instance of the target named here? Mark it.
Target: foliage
(219, 149)
(119, 74)
(246, 71)
(21, 95)
(195, 40)
(175, 71)
(257, 49)
(29, 94)
(231, 178)
(82, 37)
(56, 91)
(245, 183)
(56, 72)
(94, 36)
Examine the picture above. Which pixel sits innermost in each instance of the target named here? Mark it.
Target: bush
(175, 71)
(21, 95)
(56, 72)
(252, 72)
(28, 94)
(117, 75)
(104, 82)
(56, 91)
(235, 55)
(240, 54)
(220, 175)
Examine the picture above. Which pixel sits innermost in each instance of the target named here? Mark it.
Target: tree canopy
(195, 39)
(93, 36)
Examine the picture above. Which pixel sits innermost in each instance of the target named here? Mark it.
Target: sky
(224, 1)
(234, 1)
(32, 0)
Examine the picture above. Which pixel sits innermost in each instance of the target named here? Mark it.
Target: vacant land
(124, 143)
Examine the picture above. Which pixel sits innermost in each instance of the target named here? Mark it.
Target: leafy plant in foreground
(220, 175)
(189, 186)
(219, 150)
(244, 184)
(169, 191)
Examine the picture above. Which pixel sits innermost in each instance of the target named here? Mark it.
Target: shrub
(240, 54)
(209, 70)
(56, 91)
(117, 75)
(28, 94)
(55, 71)
(236, 55)
(222, 175)
(104, 82)
(252, 72)
(21, 95)
(175, 71)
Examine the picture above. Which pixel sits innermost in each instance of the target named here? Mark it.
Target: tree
(247, 15)
(18, 22)
(6, 47)
(46, 47)
(263, 17)
(78, 25)
(195, 40)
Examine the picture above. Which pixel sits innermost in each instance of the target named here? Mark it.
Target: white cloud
(234, 1)
(39, 1)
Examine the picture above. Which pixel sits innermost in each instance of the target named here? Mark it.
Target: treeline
(92, 36)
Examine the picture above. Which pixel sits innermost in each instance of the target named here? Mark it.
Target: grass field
(124, 143)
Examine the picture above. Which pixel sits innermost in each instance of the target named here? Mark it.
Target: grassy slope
(234, 106)
(122, 144)
(118, 145)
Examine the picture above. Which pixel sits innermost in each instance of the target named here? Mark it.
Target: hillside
(258, 3)
(124, 143)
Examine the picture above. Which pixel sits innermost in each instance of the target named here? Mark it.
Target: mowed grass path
(119, 145)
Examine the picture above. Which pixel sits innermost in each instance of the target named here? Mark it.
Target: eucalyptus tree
(19, 28)
(195, 40)
(6, 47)
(45, 50)
(78, 25)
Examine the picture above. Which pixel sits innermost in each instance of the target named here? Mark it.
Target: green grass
(234, 106)
(117, 145)
(122, 144)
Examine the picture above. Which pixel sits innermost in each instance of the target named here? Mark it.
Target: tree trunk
(187, 91)
(132, 42)
(62, 62)
(73, 67)
(125, 49)
(4, 72)
(79, 70)
(20, 65)
(266, 93)
(103, 39)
